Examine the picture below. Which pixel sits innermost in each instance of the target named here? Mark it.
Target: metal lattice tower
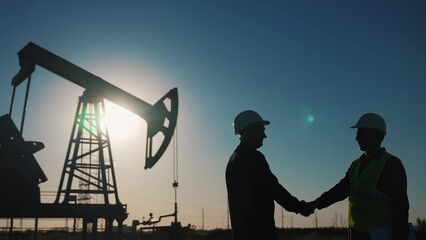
(88, 174)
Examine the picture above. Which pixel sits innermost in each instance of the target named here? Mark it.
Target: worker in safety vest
(376, 184)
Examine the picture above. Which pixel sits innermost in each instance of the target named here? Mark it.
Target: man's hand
(308, 208)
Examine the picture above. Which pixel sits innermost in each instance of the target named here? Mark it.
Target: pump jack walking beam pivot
(159, 118)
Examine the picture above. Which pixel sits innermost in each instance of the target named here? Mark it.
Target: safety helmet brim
(247, 118)
(372, 121)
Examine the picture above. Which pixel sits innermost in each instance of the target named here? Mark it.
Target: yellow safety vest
(368, 207)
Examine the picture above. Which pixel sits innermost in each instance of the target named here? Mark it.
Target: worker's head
(251, 127)
(371, 131)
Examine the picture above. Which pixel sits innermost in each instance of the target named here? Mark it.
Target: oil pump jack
(88, 169)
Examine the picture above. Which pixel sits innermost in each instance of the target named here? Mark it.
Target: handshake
(308, 208)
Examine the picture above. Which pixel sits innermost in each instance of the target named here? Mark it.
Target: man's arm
(393, 182)
(286, 200)
(284, 197)
(337, 193)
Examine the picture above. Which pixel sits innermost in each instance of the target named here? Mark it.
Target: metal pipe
(12, 101)
(27, 92)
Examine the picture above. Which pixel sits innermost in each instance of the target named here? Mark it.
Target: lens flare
(308, 118)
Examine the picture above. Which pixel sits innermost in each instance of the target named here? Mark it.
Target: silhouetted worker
(376, 185)
(252, 187)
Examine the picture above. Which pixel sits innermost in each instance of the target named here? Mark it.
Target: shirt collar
(377, 156)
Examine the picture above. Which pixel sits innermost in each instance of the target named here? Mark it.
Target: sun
(120, 122)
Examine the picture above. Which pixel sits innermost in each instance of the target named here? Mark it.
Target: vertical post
(108, 228)
(66, 164)
(12, 100)
(100, 144)
(35, 228)
(135, 223)
(11, 228)
(27, 92)
(95, 229)
(175, 173)
(316, 219)
(84, 230)
(120, 229)
(117, 200)
(202, 216)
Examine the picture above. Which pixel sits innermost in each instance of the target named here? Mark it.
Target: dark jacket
(392, 182)
(252, 190)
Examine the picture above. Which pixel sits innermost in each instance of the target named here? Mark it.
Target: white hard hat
(371, 120)
(245, 119)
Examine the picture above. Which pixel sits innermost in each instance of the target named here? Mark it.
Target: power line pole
(316, 219)
(335, 219)
(202, 217)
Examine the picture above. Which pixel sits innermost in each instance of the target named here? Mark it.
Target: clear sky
(310, 67)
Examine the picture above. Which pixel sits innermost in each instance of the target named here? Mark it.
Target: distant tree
(421, 224)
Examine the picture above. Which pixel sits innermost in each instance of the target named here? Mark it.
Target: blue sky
(310, 67)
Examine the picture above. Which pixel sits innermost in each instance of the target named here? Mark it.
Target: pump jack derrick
(89, 157)
(88, 161)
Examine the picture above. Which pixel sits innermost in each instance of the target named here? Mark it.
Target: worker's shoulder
(392, 159)
(394, 165)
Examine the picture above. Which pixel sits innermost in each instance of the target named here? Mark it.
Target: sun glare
(120, 122)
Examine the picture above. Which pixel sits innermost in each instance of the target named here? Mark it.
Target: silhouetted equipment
(175, 227)
(20, 173)
(158, 117)
(88, 171)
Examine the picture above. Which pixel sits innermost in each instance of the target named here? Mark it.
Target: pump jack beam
(159, 118)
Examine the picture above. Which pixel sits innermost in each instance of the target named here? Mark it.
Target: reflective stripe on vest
(367, 206)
